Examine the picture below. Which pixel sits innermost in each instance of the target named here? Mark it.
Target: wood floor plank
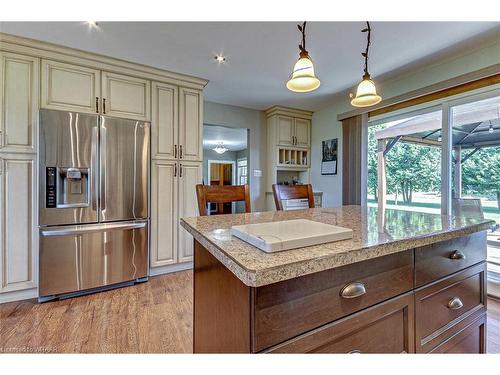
(151, 317)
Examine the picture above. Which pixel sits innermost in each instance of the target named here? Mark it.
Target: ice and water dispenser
(67, 187)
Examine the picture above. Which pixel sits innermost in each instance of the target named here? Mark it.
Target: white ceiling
(233, 138)
(260, 55)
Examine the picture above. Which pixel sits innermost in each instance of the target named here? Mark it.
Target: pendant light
(303, 78)
(220, 149)
(366, 94)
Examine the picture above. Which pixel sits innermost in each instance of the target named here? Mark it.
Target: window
(242, 171)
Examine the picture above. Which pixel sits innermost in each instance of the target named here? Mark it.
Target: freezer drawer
(75, 258)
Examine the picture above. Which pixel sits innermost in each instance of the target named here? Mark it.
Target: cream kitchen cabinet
(18, 221)
(165, 121)
(177, 126)
(302, 132)
(190, 124)
(190, 174)
(173, 195)
(125, 96)
(19, 83)
(164, 200)
(293, 131)
(69, 87)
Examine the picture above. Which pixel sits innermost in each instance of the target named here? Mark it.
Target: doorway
(225, 160)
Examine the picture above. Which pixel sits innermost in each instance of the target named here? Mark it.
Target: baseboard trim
(18, 295)
(155, 271)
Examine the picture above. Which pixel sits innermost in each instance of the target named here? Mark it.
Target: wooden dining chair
(284, 192)
(221, 194)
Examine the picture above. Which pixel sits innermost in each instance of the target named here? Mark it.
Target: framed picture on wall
(329, 157)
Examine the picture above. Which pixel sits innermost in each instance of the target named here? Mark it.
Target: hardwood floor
(152, 317)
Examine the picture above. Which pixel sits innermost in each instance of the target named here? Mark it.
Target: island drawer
(470, 340)
(290, 308)
(444, 258)
(444, 308)
(384, 328)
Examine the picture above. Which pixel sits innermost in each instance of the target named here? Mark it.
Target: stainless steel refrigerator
(94, 202)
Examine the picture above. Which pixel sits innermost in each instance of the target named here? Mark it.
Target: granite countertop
(402, 230)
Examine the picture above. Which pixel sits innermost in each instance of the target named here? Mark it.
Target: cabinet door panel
(163, 213)
(69, 87)
(190, 174)
(18, 248)
(302, 132)
(285, 130)
(125, 96)
(165, 121)
(19, 102)
(190, 124)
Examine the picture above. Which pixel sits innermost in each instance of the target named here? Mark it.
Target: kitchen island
(405, 282)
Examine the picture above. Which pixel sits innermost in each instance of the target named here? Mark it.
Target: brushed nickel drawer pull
(353, 290)
(457, 255)
(355, 351)
(455, 303)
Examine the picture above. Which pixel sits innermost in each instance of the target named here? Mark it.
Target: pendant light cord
(365, 54)
(302, 29)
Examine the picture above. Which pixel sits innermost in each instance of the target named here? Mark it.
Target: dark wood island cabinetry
(418, 299)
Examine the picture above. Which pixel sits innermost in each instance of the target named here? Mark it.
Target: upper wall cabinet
(302, 132)
(285, 130)
(125, 96)
(76, 88)
(190, 124)
(165, 121)
(19, 82)
(70, 87)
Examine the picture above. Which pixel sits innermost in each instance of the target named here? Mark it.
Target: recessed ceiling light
(220, 59)
(92, 24)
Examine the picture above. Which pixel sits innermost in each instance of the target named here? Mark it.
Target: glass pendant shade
(366, 94)
(303, 78)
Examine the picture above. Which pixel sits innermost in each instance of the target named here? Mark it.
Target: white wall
(325, 124)
(255, 121)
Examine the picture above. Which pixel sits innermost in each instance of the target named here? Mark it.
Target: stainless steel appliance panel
(74, 258)
(124, 169)
(68, 168)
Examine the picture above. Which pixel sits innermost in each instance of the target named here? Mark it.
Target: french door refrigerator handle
(94, 162)
(82, 229)
(102, 172)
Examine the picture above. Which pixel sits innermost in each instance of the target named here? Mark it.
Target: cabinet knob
(353, 290)
(456, 255)
(455, 303)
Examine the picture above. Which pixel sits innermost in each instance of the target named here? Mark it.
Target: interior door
(124, 169)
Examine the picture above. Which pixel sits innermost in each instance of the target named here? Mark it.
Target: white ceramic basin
(289, 234)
